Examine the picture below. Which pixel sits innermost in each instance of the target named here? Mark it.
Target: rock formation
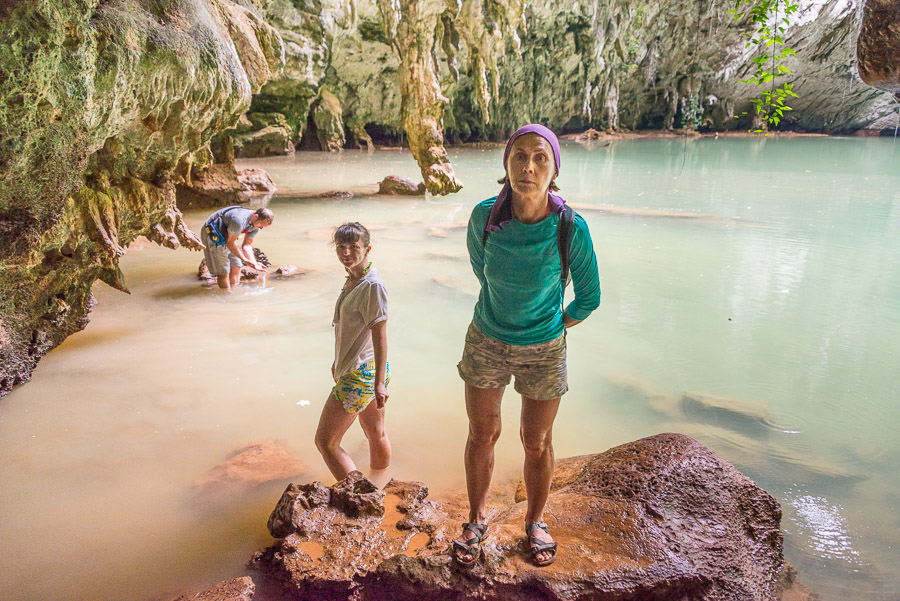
(104, 109)
(248, 467)
(396, 185)
(660, 518)
(878, 47)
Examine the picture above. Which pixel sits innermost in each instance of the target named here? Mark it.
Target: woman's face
(530, 166)
(351, 254)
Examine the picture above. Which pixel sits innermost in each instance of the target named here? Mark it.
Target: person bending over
(224, 255)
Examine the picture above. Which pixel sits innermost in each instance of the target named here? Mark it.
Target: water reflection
(823, 525)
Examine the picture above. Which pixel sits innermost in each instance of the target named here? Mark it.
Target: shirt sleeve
(583, 266)
(375, 308)
(474, 239)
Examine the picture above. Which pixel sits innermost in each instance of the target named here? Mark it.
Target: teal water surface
(751, 299)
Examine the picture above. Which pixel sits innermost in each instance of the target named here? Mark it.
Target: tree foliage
(770, 19)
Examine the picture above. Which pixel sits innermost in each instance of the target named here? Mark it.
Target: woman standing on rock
(522, 243)
(360, 369)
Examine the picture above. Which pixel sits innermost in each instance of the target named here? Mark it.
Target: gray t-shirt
(234, 221)
(356, 311)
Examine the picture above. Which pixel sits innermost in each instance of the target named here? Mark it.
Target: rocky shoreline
(659, 518)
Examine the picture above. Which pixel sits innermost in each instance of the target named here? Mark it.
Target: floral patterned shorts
(357, 389)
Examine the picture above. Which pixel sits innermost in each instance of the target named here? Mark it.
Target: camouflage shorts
(540, 369)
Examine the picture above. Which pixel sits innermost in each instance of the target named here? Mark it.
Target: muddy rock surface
(660, 518)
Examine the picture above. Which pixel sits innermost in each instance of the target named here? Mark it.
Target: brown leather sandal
(538, 546)
(472, 546)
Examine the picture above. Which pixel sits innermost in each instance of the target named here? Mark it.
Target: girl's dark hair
(351, 232)
(505, 179)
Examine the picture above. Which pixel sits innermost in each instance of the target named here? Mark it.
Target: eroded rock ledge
(106, 108)
(660, 518)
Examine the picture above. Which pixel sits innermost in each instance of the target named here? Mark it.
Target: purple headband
(534, 128)
(501, 212)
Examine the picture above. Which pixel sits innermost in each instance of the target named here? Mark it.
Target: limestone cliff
(103, 106)
(467, 71)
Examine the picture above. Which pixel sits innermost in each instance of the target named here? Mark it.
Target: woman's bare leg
(372, 421)
(536, 431)
(333, 424)
(483, 407)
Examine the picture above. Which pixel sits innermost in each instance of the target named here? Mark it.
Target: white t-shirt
(356, 311)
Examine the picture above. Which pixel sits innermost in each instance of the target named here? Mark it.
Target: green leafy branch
(770, 17)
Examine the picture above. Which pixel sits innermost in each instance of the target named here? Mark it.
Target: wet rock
(357, 497)
(256, 181)
(660, 518)
(401, 186)
(237, 589)
(293, 508)
(248, 467)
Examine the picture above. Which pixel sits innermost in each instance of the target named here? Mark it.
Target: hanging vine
(770, 18)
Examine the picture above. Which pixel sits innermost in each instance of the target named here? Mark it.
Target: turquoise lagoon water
(751, 299)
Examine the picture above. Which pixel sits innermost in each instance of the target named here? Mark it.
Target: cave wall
(103, 107)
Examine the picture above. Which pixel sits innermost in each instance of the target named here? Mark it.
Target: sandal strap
(479, 529)
(471, 549)
(530, 528)
(537, 546)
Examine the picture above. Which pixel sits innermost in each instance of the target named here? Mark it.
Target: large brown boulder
(878, 45)
(660, 518)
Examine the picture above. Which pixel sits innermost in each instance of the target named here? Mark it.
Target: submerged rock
(336, 195)
(248, 467)
(660, 518)
(237, 589)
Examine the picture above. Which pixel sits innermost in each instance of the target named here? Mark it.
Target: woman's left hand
(381, 395)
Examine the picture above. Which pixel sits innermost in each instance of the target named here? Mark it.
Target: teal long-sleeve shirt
(519, 270)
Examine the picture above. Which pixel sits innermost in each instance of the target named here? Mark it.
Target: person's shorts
(218, 258)
(540, 369)
(357, 389)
